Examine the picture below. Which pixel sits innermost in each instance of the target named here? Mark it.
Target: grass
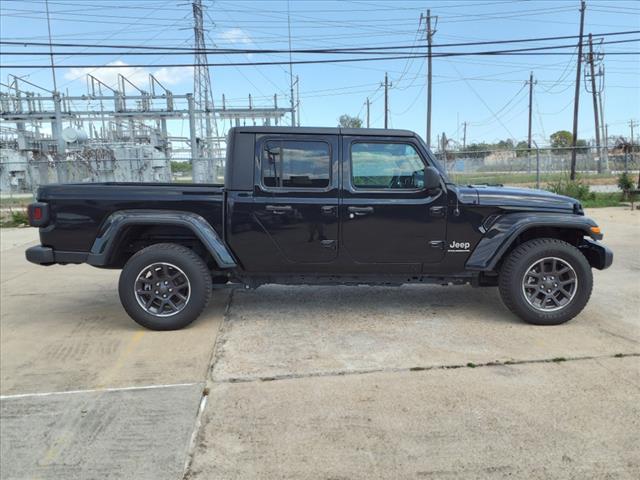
(603, 200)
(16, 218)
(12, 202)
(528, 179)
(548, 181)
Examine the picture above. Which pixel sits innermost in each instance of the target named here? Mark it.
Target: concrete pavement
(308, 382)
(86, 392)
(569, 420)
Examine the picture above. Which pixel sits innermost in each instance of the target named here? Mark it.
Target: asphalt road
(318, 382)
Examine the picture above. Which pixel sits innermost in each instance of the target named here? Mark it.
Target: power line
(317, 50)
(522, 51)
(483, 102)
(502, 110)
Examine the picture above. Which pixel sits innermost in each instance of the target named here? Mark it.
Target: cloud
(168, 76)
(235, 36)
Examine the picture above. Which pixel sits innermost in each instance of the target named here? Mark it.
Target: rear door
(388, 218)
(296, 199)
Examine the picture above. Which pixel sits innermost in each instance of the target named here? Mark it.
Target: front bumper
(41, 255)
(599, 256)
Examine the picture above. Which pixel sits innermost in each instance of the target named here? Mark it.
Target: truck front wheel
(165, 286)
(546, 281)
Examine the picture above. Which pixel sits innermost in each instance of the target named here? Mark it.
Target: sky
(487, 92)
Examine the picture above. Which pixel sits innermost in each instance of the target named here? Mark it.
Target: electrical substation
(119, 133)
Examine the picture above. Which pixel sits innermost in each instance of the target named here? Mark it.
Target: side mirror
(432, 179)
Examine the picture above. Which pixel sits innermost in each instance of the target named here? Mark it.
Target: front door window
(386, 166)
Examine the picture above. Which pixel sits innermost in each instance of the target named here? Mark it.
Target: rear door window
(296, 164)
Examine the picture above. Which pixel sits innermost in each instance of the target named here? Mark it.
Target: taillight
(38, 214)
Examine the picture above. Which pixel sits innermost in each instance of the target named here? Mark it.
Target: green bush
(624, 182)
(16, 218)
(572, 188)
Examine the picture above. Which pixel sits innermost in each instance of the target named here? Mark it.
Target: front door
(387, 215)
(296, 201)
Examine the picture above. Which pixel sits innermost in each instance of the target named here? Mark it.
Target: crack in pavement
(344, 373)
(215, 356)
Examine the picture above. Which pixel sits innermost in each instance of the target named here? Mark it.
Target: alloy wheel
(162, 289)
(549, 284)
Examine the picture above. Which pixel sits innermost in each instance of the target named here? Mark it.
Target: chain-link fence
(22, 172)
(536, 166)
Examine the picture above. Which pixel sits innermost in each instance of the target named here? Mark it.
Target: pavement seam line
(205, 391)
(469, 365)
(99, 390)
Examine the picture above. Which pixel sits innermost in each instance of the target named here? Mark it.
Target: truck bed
(82, 208)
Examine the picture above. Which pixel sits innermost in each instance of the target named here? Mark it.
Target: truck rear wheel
(546, 281)
(165, 286)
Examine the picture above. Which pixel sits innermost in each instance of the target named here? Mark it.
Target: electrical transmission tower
(206, 128)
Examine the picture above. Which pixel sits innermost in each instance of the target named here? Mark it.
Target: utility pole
(631, 125)
(576, 101)
(464, 135)
(429, 32)
(444, 151)
(386, 84)
(298, 98)
(594, 93)
(368, 108)
(531, 83)
(291, 97)
(603, 135)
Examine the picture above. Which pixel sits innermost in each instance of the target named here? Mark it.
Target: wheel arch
(511, 230)
(113, 244)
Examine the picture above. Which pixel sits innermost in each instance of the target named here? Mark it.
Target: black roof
(327, 131)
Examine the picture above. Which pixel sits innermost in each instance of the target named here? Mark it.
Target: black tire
(182, 266)
(517, 282)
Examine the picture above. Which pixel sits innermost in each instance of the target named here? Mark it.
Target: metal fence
(535, 166)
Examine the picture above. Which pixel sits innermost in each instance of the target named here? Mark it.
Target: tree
(522, 149)
(477, 150)
(505, 144)
(582, 146)
(561, 140)
(347, 121)
(181, 167)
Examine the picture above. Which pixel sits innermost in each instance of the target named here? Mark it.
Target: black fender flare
(104, 243)
(502, 233)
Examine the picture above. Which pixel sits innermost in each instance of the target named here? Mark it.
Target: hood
(525, 199)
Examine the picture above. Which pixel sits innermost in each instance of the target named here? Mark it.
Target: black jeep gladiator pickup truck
(322, 206)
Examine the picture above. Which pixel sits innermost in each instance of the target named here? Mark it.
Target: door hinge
(437, 244)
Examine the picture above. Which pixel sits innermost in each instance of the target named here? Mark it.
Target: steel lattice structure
(206, 125)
